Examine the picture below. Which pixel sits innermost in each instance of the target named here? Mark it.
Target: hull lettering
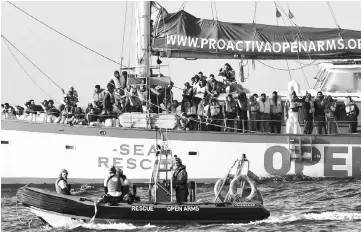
(337, 161)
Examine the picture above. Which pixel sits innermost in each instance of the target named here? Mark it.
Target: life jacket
(292, 106)
(57, 187)
(202, 110)
(319, 107)
(254, 106)
(276, 107)
(201, 91)
(350, 108)
(264, 107)
(126, 187)
(99, 97)
(330, 109)
(187, 91)
(116, 82)
(114, 185)
(178, 176)
(190, 108)
(230, 106)
(212, 85)
(215, 110)
(243, 104)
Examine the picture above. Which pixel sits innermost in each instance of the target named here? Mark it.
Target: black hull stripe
(15, 125)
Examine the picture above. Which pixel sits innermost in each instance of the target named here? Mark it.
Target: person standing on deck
(309, 109)
(320, 113)
(352, 112)
(118, 81)
(214, 115)
(264, 113)
(202, 113)
(253, 113)
(98, 97)
(330, 110)
(230, 113)
(179, 180)
(61, 184)
(291, 115)
(276, 113)
(242, 108)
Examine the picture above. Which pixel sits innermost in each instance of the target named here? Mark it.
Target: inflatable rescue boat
(237, 200)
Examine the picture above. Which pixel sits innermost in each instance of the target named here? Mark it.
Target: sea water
(295, 205)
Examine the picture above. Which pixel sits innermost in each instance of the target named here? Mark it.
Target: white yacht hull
(32, 151)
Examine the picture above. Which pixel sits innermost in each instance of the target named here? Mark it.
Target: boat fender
(218, 185)
(233, 187)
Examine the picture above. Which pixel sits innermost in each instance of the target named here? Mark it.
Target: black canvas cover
(181, 34)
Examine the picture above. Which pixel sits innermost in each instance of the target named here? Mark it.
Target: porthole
(103, 132)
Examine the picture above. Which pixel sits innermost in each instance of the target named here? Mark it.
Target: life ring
(294, 86)
(218, 186)
(233, 187)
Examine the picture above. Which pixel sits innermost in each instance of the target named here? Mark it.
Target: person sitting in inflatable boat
(61, 185)
(112, 187)
(129, 191)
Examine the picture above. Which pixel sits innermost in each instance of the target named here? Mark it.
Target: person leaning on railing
(276, 113)
(242, 108)
(264, 113)
(320, 113)
(308, 111)
(215, 115)
(230, 113)
(330, 111)
(352, 112)
(253, 113)
(202, 113)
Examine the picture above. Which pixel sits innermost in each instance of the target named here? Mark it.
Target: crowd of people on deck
(199, 109)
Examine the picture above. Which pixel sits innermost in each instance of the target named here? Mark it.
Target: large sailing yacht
(206, 153)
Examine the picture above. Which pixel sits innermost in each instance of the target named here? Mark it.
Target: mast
(143, 58)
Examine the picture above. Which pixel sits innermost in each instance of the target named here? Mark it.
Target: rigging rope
(180, 8)
(255, 12)
(184, 5)
(288, 67)
(333, 15)
(26, 71)
(66, 35)
(215, 9)
(125, 23)
(31, 61)
(284, 69)
(212, 10)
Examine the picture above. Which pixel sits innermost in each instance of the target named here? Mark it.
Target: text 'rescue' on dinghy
(237, 200)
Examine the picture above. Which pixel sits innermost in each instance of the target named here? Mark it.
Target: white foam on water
(325, 216)
(107, 226)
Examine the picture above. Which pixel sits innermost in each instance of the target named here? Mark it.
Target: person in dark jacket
(308, 114)
(61, 184)
(319, 105)
(180, 179)
(352, 112)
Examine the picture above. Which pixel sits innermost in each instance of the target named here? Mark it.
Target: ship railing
(192, 123)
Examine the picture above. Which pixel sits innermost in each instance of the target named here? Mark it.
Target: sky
(100, 26)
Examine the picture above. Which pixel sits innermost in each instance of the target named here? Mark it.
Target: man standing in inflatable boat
(180, 179)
